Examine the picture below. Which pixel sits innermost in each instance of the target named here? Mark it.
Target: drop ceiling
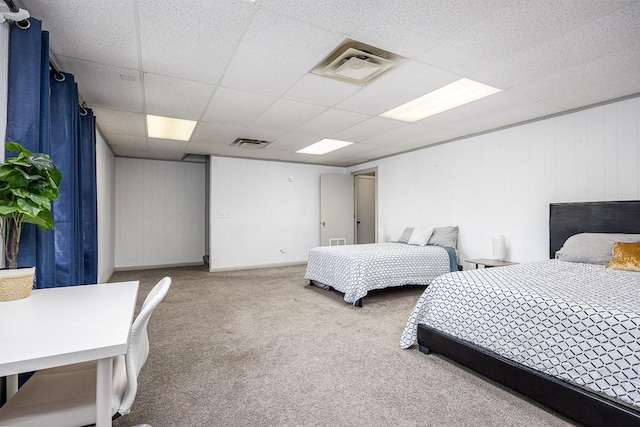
(242, 69)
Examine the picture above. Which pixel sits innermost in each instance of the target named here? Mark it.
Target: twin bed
(355, 270)
(566, 334)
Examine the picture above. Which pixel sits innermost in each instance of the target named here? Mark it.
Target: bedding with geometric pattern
(356, 269)
(574, 321)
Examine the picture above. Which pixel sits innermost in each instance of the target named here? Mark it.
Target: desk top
(60, 326)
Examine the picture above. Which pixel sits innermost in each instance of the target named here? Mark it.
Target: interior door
(336, 209)
(365, 209)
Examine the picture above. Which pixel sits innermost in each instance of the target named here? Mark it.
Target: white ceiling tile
(500, 118)
(122, 140)
(114, 121)
(236, 107)
(191, 39)
(220, 134)
(216, 133)
(523, 24)
(127, 146)
(314, 89)
(410, 27)
(616, 31)
(292, 142)
(275, 53)
(378, 153)
(101, 86)
(369, 128)
(330, 122)
(164, 147)
(336, 15)
(608, 77)
(288, 115)
(166, 155)
(501, 102)
(403, 84)
(351, 150)
(102, 32)
(263, 134)
(130, 152)
(166, 96)
(228, 151)
(398, 136)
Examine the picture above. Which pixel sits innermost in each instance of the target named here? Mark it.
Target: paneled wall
(159, 213)
(502, 182)
(105, 183)
(263, 213)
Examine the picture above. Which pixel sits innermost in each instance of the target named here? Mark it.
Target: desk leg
(104, 373)
(12, 385)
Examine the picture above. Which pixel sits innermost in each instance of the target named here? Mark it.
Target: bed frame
(584, 406)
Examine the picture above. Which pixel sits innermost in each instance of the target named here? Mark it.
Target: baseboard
(153, 267)
(254, 267)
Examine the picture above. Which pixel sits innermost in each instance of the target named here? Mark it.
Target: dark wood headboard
(567, 219)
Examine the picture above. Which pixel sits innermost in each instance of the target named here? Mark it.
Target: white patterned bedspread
(356, 269)
(578, 322)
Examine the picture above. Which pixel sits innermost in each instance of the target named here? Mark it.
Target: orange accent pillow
(625, 256)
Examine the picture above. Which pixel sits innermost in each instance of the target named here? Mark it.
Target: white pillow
(420, 236)
(406, 235)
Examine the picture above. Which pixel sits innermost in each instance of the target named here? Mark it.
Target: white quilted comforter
(356, 269)
(578, 322)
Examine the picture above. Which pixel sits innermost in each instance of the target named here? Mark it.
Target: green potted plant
(28, 183)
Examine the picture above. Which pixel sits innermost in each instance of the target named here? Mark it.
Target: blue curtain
(44, 116)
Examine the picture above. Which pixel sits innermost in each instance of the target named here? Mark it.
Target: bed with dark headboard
(573, 400)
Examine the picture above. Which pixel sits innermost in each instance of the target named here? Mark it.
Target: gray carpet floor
(261, 348)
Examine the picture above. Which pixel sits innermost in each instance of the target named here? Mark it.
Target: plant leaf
(29, 208)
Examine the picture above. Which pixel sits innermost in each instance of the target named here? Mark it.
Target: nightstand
(486, 262)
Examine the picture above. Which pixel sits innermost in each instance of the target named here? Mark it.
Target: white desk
(61, 326)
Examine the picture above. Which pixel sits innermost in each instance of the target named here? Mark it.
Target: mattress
(574, 321)
(356, 269)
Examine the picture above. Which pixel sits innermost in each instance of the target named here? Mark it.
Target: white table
(61, 326)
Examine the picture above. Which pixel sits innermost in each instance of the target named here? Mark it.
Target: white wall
(502, 182)
(159, 213)
(257, 213)
(105, 186)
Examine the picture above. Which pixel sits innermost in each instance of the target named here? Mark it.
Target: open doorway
(365, 195)
(349, 208)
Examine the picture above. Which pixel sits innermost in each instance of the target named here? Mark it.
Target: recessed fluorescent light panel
(169, 128)
(323, 147)
(450, 96)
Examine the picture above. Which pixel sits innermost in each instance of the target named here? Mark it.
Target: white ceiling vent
(249, 143)
(356, 62)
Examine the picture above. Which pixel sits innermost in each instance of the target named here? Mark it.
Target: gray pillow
(445, 236)
(406, 235)
(592, 248)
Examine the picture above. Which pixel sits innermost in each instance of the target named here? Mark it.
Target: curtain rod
(13, 8)
(11, 5)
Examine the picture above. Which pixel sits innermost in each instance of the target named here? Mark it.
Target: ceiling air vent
(249, 143)
(356, 62)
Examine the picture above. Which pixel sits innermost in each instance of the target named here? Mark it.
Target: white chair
(66, 396)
